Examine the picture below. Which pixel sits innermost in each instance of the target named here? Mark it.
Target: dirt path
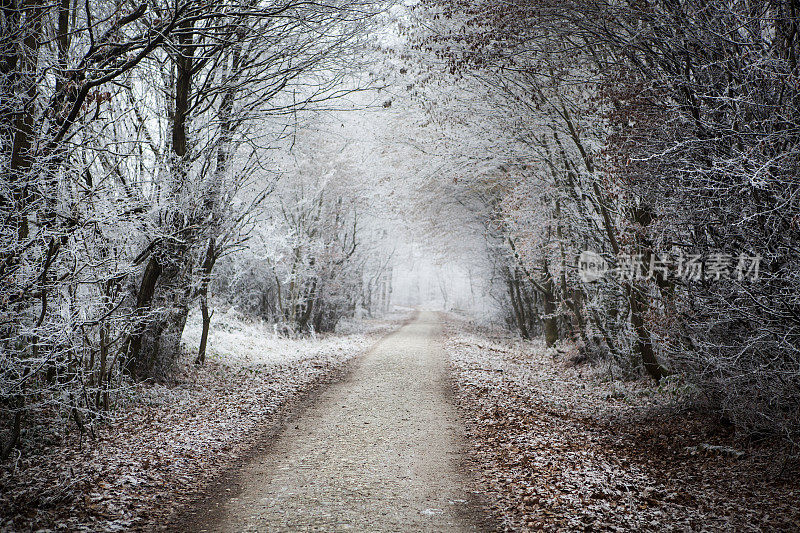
(380, 451)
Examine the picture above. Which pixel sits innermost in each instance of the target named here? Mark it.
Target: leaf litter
(562, 447)
(170, 440)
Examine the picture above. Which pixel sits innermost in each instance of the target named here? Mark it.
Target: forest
(211, 210)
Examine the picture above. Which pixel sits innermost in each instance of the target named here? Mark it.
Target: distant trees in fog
(315, 256)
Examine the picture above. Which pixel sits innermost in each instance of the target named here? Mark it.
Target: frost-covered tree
(316, 254)
(642, 130)
(129, 161)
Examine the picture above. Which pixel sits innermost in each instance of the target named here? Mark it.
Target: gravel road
(379, 451)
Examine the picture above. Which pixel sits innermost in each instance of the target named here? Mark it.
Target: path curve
(379, 451)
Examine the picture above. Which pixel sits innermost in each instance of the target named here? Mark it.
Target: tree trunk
(575, 303)
(183, 83)
(16, 429)
(642, 345)
(17, 124)
(516, 303)
(208, 265)
(135, 365)
(166, 285)
(307, 307)
(550, 322)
